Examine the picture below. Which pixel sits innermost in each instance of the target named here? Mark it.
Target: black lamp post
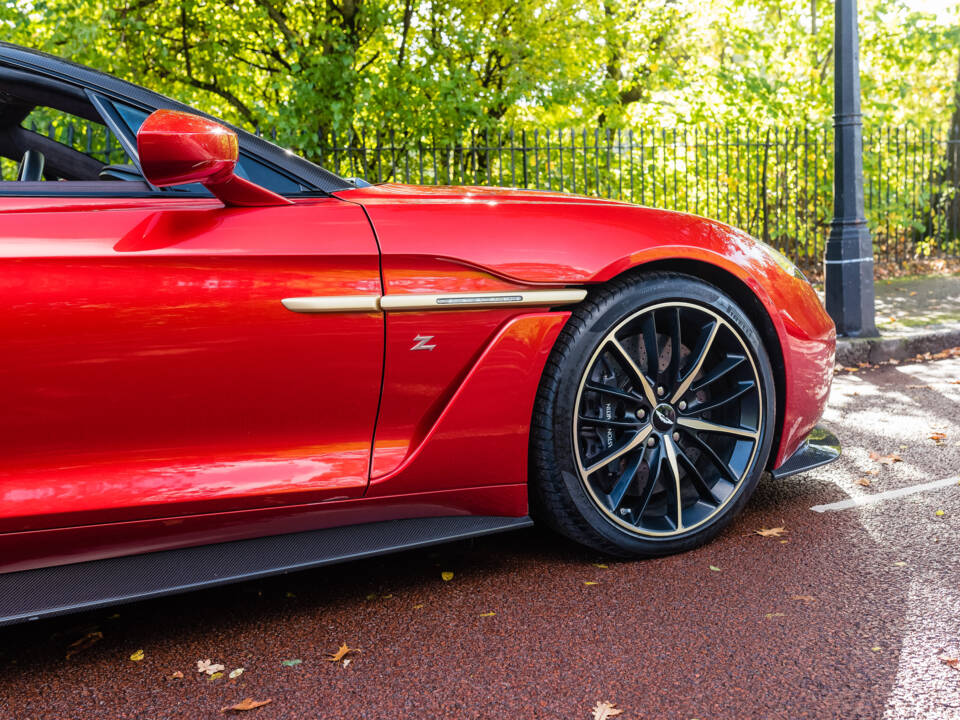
(849, 256)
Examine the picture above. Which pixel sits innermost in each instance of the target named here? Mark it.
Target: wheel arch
(754, 308)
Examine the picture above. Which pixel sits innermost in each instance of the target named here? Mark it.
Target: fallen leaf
(886, 459)
(235, 673)
(487, 614)
(912, 293)
(715, 568)
(347, 662)
(291, 663)
(955, 382)
(137, 656)
(770, 532)
(215, 676)
(899, 563)
(176, 675)
(418, 606)
(246, 704)
(600, 565)
(372, 596)
(864, 481)
(446, 575)
(387, 597)
(590, 582)
(938, 437)
(770, 616)
(208, 667)
(871, 472)
(605, 710)
(806, 599)
(939, 513)
(952, 662)
(91, 638)
(341, 653)
(876, 648)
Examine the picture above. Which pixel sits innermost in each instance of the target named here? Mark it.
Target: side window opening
(51, 132)
(43, 141)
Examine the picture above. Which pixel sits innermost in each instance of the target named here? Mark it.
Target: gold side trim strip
(465, 301)
(447, 301)
(333, 304)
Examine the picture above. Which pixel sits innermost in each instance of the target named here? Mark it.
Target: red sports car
(222, 361)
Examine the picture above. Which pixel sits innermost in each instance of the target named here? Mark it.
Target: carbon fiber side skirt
(35, 594)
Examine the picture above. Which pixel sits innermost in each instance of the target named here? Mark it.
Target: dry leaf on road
(770, 532)
(176, 675)
(246, 704)
(886, 459)
(137, 656)
(952, 662)
(605, 710)
(235, 673)
(446, 576)
(209, 667)
(938, 437)
(807, 599)
(864, 481)
(91, 638)
(341, 653)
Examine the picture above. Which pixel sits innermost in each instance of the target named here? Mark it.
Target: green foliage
(318, 69)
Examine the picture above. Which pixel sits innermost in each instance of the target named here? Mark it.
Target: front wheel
(654, 418)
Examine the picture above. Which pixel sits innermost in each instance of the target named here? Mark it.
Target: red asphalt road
(878, 589)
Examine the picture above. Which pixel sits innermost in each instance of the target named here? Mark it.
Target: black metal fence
(775, 183)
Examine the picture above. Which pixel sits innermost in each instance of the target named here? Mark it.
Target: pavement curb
(851, 351)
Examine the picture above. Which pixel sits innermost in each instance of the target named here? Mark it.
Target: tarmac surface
(845, 615)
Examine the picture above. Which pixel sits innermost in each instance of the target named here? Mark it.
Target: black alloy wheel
(658, 407)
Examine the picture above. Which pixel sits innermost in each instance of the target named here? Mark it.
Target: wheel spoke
(649, 328)
(654, 462)
(742, 387)
(638, 375)
(715, 459)
(674, 345)
(634, 442)
(612, 391)
(704, 344)
(707, 426)
(615, 497)
(675, 471)
(696, 478)
(730, 362)
(609, 423)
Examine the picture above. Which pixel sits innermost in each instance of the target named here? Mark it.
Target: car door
(150, 369)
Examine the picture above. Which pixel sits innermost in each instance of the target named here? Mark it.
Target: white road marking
(889, 495)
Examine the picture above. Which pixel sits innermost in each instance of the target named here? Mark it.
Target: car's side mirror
(177, 148)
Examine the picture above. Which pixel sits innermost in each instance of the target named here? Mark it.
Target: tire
(638, 451)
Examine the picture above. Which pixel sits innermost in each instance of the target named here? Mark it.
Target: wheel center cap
(664, 417)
